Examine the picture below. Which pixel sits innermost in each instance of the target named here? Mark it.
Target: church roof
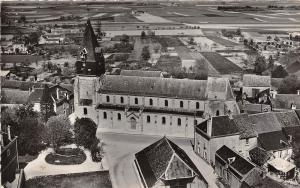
(153, 161)
(90, 42)
(213, 88)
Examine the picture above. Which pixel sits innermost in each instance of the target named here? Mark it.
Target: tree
(46, 105)
(66, 64)
(260, 65)
(279, 72)
(289, 85)
(143, 35)
(22, 19)
(33, 38)
(58, 130)
(191, 41)
(238, 31)
(85, 132)
(146, 53)
(125, 38)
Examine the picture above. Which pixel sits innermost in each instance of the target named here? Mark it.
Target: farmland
(222, 41)
(220, 63)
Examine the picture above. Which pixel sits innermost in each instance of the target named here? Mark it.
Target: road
(120, 149)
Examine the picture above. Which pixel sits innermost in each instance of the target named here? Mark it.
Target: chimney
(298, 91)
(274, 93)
(8, 132)
(293, 106)
(57, 93)
(209, 126)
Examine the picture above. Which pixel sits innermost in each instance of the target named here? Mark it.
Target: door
(133, 123)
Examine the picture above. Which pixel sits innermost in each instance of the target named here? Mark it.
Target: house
(234, 169)
(282, 168)
(5, 74)
(141, 73)
(164, 164)
(145, 105)
(254, 84)
(19, 48)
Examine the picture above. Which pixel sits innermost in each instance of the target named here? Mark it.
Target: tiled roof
(140, 73)
(223, 125)
(244, 124)
(285, 101)
(153, 161)
(14, 96)
(251, 80)
(240, 164)
(252, 177)
(293, 67)
(273, 141)
(259, 156)
(293, 131)
(36, 95)
(265, 122)
(165, 87)
(275, 83)
(288, 118)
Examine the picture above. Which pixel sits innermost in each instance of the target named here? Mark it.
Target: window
(166, 102)
(148, 119)
(247, 141)
(197, 105)
(181, 104)
(107, 99)
(119, 116)
(84, 111)
(163, 120)
(136, 100)
(217, 113)
(122, 100)
(179, 122)
(150, 102)
(104, 115)
(195, 122)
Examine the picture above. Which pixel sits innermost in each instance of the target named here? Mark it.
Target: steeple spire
(90, 42)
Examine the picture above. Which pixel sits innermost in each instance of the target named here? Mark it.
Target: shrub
(96, 151)
(85, 132)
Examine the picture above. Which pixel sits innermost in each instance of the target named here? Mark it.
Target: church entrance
(133, 123)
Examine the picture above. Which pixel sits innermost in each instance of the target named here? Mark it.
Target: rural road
(120, 149)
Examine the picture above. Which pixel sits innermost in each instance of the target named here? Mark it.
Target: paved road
(120, 149)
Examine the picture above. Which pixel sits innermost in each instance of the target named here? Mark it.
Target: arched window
(148, 119)
(179, 122)
(107, 98)
(150, 102)
(166, 103)
(181, 104)
(104, 115)
(195, 122)
(197, 105)
(119, 116)
(122, 99)
(85, 111)
(217, 113)
(163, 120)
(136, 100)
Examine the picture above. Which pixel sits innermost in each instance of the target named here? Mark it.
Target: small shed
(281, 167)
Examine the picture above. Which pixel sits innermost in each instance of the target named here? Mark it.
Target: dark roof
(23, 85)
(259, 156)
(90, 42)
(213, 88)
(275, 83)
(293, 67)
(153, 160)
(293, 131)
(240, 164)
(285, 101)
(252, 80)
(265, 122)
(36, 95)
(252, 178)
(223, 125)
(271, 141)
(288, 118)
(141, 73)
(14, 96)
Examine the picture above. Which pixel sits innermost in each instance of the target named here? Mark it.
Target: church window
(181, 104)
(119, 116)
(148, 119)
(122, 99)
(150, 102)
(136, 101)
(197, 105)
(107, 99)
(179, 122)
(104, 115)
(166, 103)
(163, 120)
(85, 111)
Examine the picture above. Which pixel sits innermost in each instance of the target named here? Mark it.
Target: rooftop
(281, 164)
(252, 80)
(285, 101)
(273, 141)
(141, 73)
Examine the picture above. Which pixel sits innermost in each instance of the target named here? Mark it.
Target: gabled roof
(252, 80)
(244, 124)
(141, 73)
(223, 125)
(288, 118)
(166, 87)
(90, 42)
(259, 156)
(14, 96)
(264, 122)
(239, 164)
(285, 101)
(273, 141)
(153, 161)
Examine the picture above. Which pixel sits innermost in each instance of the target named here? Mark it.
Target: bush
(85, 132)
(96, 151)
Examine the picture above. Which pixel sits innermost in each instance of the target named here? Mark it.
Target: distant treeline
(238, 8)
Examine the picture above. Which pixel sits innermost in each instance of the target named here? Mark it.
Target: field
(220, 63)
(76, 180)
(222, 41)
(20, 58)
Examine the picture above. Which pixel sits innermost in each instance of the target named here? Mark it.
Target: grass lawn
(74, 180)
(66, 156)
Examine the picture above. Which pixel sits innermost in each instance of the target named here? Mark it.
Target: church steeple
(91, 63)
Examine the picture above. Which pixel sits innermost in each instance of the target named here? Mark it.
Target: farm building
(255, 84)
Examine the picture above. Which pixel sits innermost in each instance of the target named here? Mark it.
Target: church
(145, 105)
